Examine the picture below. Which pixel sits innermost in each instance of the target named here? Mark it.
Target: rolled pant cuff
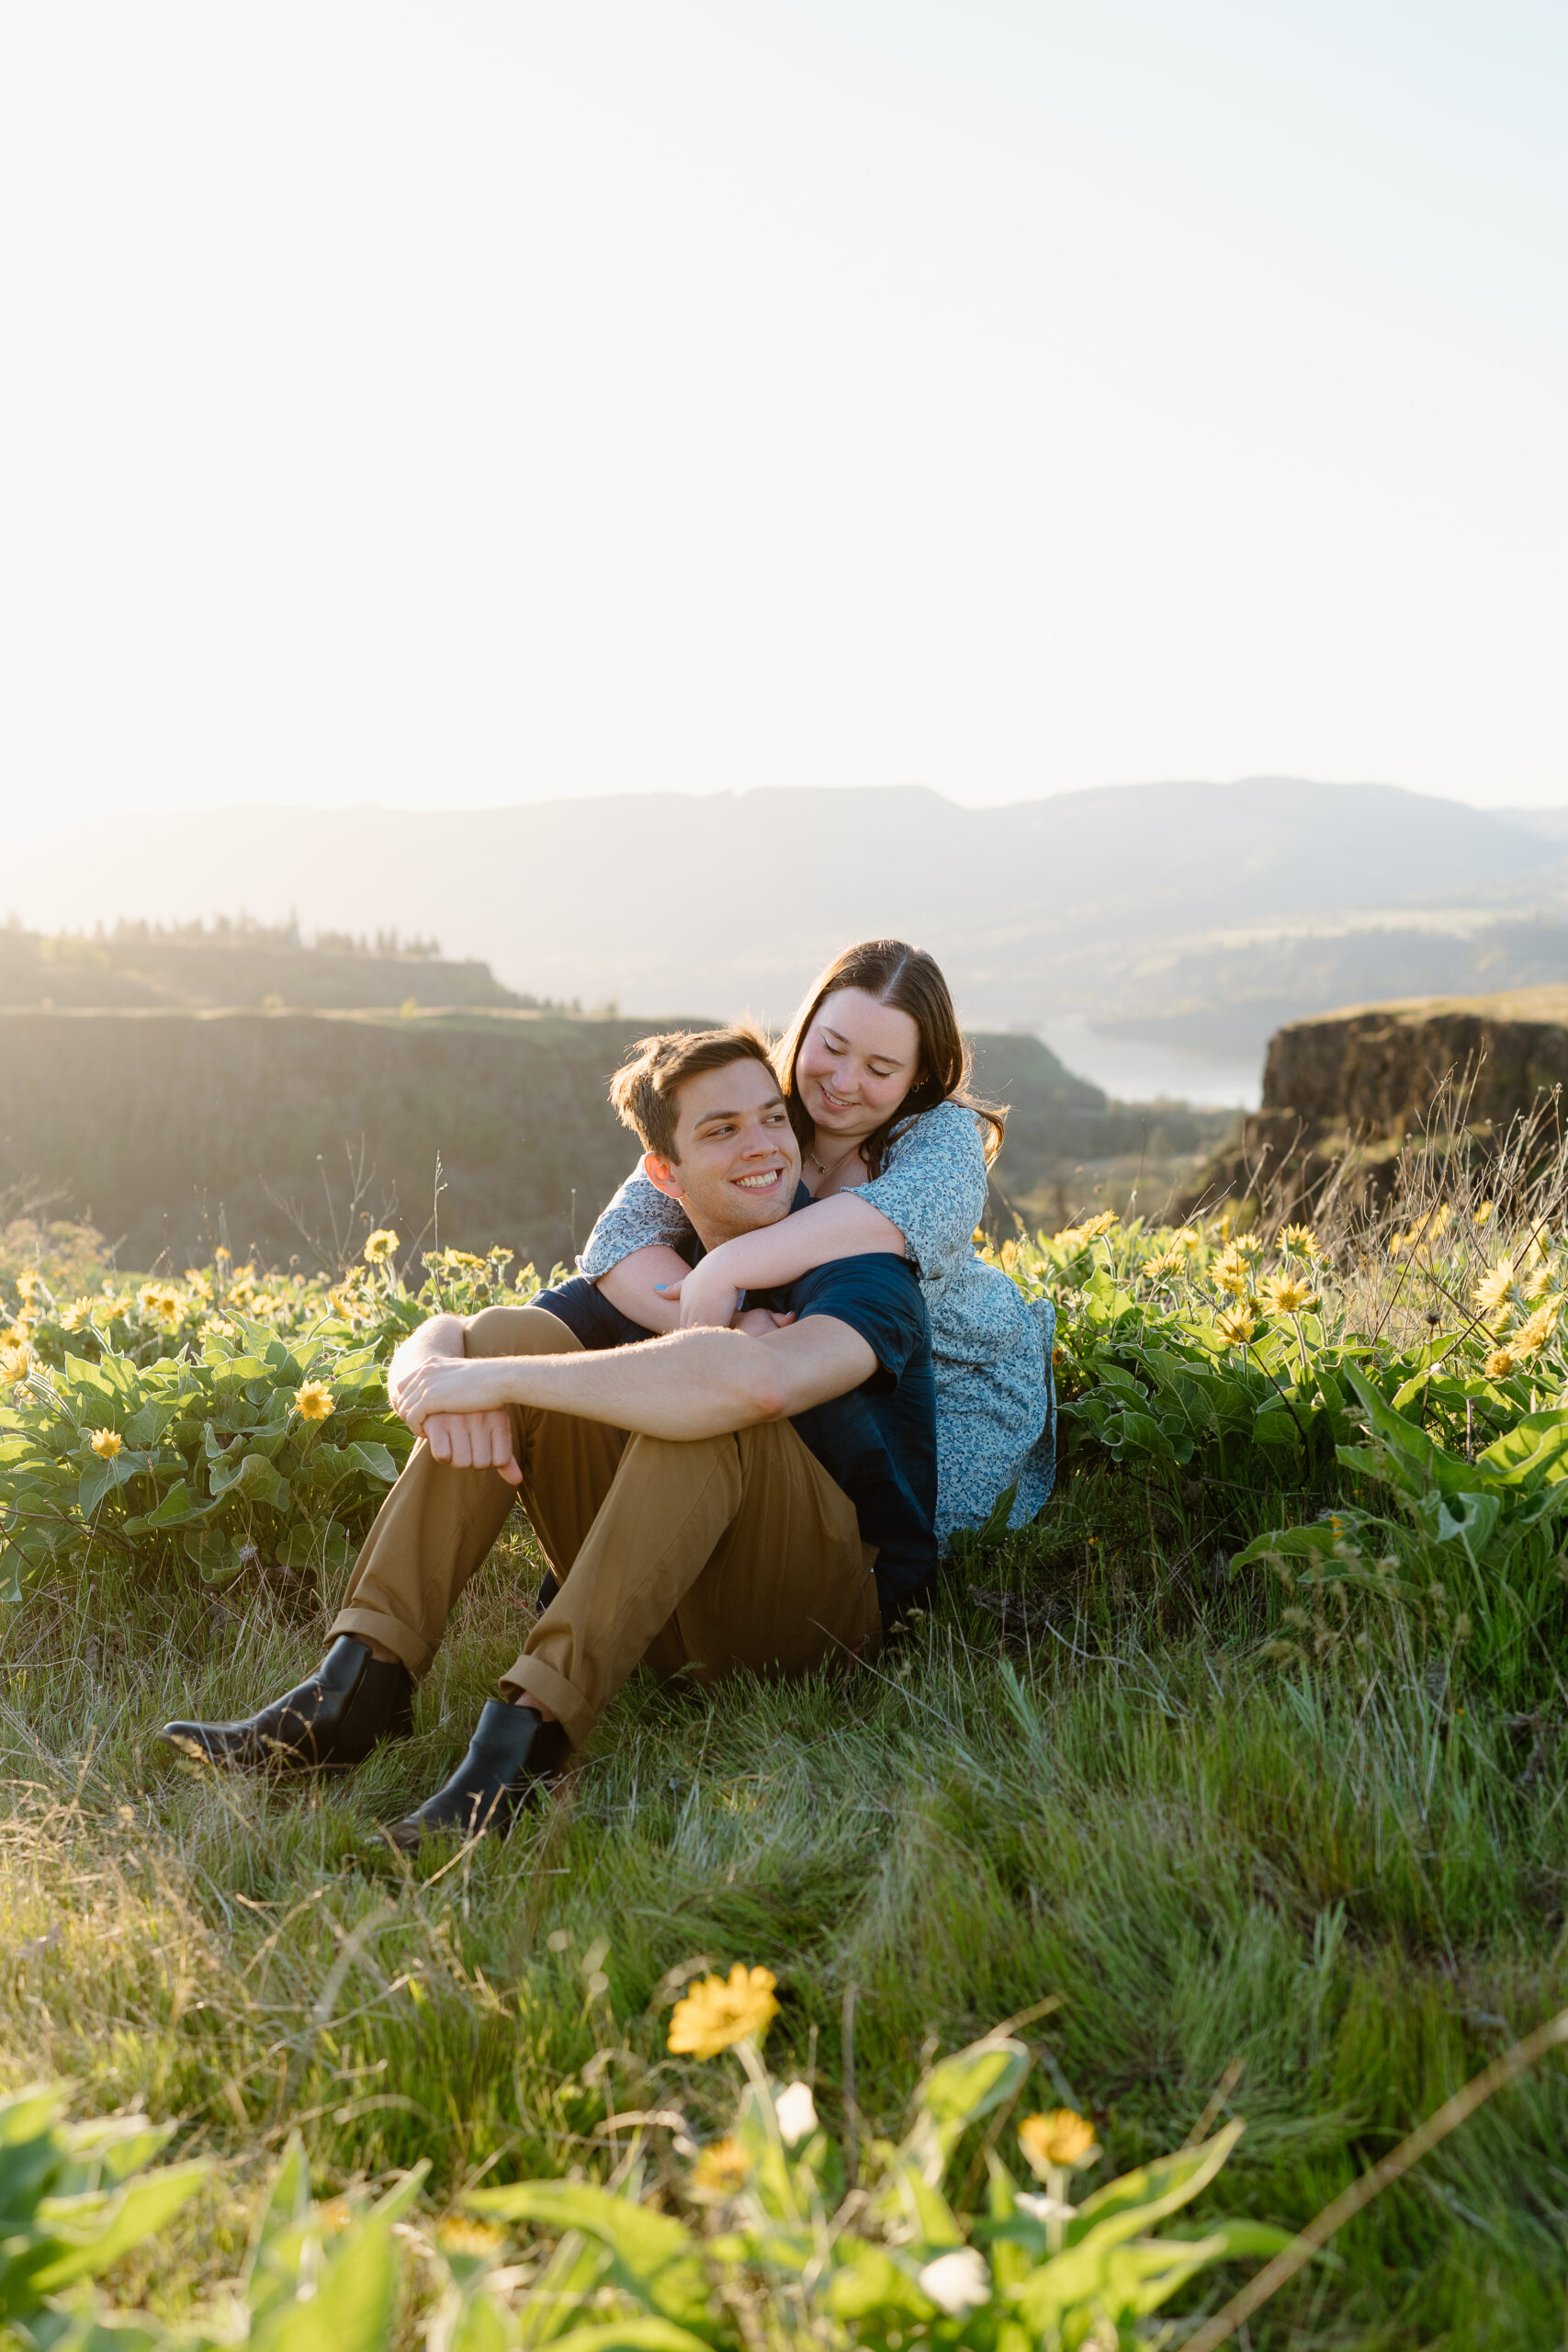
(531, 1678)
(370, 1624)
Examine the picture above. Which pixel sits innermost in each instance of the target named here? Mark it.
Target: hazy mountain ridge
(1200, 909)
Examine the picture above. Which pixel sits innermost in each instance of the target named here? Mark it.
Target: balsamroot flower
(957, 2283)
(1301, 1239)
(1493, 1288)
(1289, 1293)
(1499, 1363)
(716, 2013)
(379, 1245)
(107, 1443)
(796, 2112)
(1170, 1261)
(1230, 1271)
(458, 2235)
(721, 2169)
(1188, 1236)
(1533, 1334)
(1058, 2142)
(13, 1365)
(314, 1399)
(1236, 1324)
(1074, 1237)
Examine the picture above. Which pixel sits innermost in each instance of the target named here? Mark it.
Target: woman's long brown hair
(910, 981)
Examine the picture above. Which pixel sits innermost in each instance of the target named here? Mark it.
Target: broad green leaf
(652, 2257)
(92, 2231)
(1123, 2207)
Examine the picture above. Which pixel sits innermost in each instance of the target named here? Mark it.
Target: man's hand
(474, 1442)
(758, 1322)
(441, 1335)
(461, 1388)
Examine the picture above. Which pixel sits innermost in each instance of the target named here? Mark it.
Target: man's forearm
(692, 1385)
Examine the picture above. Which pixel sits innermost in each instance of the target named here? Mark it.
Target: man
(757, 1497)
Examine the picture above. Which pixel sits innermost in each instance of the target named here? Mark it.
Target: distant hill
(1204, 910)
(171, 1128)
(195, 966)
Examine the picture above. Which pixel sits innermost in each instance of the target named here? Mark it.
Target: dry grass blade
(1361, 2193)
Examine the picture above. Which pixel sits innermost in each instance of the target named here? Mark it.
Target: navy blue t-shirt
(877, 1443)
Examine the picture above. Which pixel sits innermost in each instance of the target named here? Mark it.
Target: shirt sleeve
(876, 1296)
(932, 1187)
(638, 1217)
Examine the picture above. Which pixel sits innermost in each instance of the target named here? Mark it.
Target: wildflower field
(1196, 1845)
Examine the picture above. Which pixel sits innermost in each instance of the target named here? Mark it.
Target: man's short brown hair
(644, 1088)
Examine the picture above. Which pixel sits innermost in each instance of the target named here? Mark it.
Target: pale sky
(463, 402)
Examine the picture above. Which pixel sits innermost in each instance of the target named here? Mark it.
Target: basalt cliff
(1344, 1092)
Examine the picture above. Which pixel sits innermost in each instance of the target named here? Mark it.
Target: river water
(1137, 1070)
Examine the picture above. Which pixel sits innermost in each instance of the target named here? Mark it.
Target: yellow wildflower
(160, 1299)
(1236, 1324)
(1077, 1236)
(13, 1365)
(107, 1443)
(15, 1335)
(1289, 1293)
(1170, 1261)
(1499, 1363)
(198, 1283)
(458, 2235)
(27, 1283)
(721, 2169)
(462, 1258)
(1483, 1212)
(1187, 1237)
(1231, 1272)
(1537, 1284)
(222, 1253)
(379, 1245)
(1058, 2142)
(1010, 1256)
(1248, 1244)
(716, 2013)
(72, 1318)
(314, 1399)
(1536, 1247)
(1493, 1288)
(1301, 1239)
(1534, 1332)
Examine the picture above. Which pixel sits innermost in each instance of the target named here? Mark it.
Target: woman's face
(857, 1061)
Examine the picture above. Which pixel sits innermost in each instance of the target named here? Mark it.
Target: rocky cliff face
(1342, 1091)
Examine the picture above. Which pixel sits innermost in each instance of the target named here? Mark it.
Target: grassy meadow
(1279, 1830)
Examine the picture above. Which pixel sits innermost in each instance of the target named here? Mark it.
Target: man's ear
(660, 1173)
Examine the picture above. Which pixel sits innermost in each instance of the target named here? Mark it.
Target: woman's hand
(761, 1322)
(707, 1295)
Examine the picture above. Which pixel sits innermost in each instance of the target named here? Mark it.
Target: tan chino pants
(699, 1556)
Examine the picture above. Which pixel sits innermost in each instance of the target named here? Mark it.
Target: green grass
(1353, 1888)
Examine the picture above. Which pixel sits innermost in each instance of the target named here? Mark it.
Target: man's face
(738, 1163)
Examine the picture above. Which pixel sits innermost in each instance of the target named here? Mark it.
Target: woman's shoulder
(947, 1131)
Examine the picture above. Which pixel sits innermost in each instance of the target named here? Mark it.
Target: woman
(895, 1155)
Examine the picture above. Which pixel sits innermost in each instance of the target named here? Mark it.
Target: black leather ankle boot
(513, 1753)
(348, 1706)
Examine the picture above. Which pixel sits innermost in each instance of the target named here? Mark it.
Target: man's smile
(767, 1180)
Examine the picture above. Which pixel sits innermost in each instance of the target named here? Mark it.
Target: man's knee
(519, 1332)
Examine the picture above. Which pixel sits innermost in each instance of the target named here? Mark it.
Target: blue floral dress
(996, 1401)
